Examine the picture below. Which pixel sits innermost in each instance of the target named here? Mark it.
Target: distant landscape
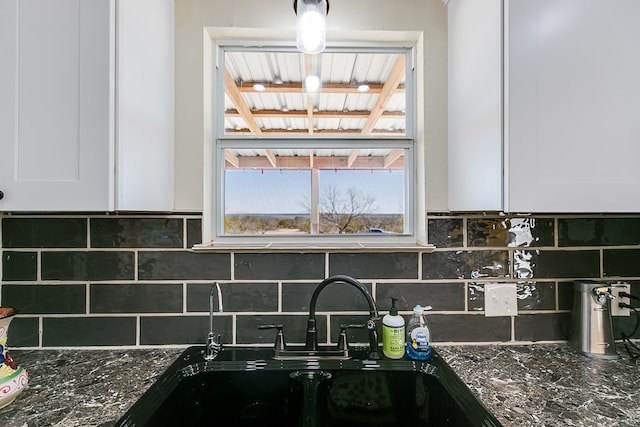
(301, 223)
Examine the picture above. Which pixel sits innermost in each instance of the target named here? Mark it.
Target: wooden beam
(317, 131)
(391, 158)
(298, 87)
(301, 114)
(352, 157)
(319, 162)
(231, 158)
(271, 157)
(231, 89)
(390, 85)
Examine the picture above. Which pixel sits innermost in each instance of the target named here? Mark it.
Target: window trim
(213, 215)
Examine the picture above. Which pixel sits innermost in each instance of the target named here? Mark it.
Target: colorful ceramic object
(13, 378)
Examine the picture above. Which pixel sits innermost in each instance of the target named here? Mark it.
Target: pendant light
(311, 25)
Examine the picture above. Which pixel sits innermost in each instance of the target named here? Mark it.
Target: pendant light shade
(311, 25)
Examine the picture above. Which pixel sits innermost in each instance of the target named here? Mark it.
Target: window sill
(328, 247)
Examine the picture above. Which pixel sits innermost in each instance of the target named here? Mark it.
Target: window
(314, 149)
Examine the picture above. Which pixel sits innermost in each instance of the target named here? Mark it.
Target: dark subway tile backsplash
(283, 266)
(440, 296)
(44, 232)
(137, 233)
(564, 263)
(621, 262)
(337, 296)
(98, 265)
(249, 297)
(19, 265)
(183, 265)
(46, 299)
(88, 331)
(185, 330)
(134, 280)
(598, 231)
(363, 265)
(136, 298)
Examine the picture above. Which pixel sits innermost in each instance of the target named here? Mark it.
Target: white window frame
(213, 214)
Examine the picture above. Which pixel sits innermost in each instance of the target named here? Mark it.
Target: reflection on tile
(511, 232)
(446, 232)
(522, 264)
(487, 232)
(465, 264)
(536, 295)
(562, 264)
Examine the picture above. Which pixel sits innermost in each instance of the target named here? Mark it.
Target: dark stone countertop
(534, 385)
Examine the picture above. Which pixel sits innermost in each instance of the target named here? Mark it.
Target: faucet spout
(312, 336)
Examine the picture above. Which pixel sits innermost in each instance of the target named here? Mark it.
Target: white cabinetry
(86, 105)
(570, 125)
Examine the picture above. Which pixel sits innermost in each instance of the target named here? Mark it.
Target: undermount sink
(246, 387)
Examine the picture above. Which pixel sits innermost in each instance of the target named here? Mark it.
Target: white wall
(194, 18)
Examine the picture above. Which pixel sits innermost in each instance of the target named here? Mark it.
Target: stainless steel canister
(592, 327)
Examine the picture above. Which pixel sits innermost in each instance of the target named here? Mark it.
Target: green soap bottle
(393, 333)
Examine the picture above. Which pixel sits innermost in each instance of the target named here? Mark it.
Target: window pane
(329, 191)
(262, 201)
(357, 201)
(271, 92)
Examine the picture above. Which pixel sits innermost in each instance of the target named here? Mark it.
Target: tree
(344, 212)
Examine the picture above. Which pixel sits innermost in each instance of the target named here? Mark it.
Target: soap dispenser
(419, 335)
(393, 333)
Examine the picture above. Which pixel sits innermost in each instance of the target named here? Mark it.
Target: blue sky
(285, 191)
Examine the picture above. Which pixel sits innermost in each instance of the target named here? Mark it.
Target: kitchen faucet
(213, 343)
(312, 337)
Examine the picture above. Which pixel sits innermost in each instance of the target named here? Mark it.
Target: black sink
(245, 387)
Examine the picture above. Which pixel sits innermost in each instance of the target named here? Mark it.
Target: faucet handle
(279, 344)
(343, 342)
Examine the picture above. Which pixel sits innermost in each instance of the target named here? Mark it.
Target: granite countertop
(534, 385)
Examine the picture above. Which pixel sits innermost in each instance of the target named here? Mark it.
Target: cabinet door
(475, 104)
(145, 105)
(56, 104)
(572, 111)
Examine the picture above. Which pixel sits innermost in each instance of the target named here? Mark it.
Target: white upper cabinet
(79, 129)
(570, 128)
